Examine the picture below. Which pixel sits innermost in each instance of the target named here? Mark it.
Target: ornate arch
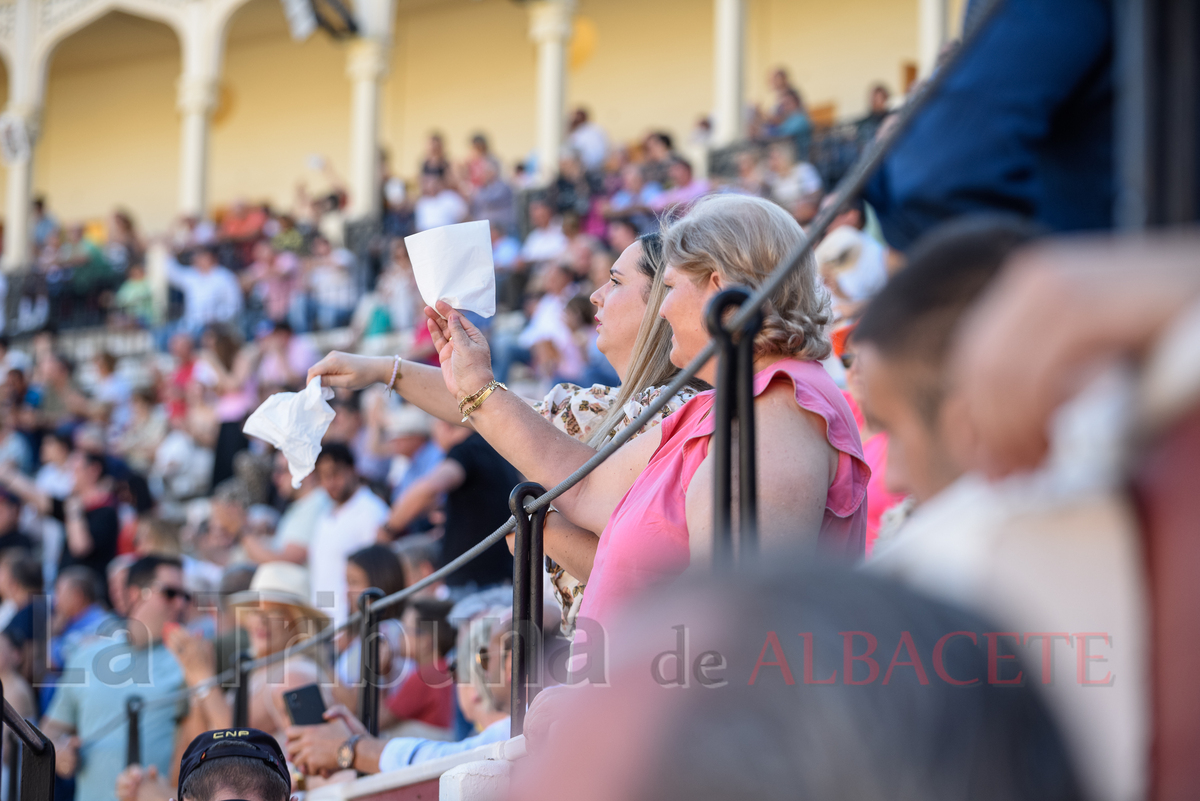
(55, 20)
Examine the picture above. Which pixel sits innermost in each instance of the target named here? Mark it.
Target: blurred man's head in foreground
(903, 341)
(785, 683)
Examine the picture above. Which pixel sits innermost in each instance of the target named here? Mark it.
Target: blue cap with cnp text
(221, 743)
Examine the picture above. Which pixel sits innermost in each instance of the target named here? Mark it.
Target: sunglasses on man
(170, 593)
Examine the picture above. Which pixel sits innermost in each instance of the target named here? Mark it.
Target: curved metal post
(133, 746)
(747, 438)
(241, 699)
(527, 599)
(724, 410)
(36, 772)
(368, 674)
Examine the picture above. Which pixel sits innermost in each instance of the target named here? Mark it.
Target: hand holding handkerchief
(295, 423)
(454, 263)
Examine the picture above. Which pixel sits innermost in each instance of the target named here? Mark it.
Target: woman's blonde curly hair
(742, 239)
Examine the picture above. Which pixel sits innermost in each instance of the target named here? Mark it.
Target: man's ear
(715, 283)
(132, 596)
(958, 433)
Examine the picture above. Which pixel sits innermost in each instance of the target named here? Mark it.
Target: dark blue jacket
(1024, 125)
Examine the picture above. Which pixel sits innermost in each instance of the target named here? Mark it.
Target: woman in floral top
(630, 333)
(583, 412)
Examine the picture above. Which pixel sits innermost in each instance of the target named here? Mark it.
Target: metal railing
(64, 298)
(733, 319)
(33, 770)
(528, 554)
(831, 149)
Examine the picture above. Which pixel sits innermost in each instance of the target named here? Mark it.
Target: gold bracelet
(483, 395)
(474, 396)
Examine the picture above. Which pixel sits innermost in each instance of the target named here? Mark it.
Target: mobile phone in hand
(305, 705)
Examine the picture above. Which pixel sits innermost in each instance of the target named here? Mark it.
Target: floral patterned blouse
(577, 411)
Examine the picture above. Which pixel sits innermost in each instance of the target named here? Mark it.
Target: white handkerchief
(294, 422)
(454, 263)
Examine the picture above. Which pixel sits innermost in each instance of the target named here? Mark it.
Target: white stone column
(21, 121)
(202, 47)
(366, 67)
(20, 125)
(197, 99)
(933, 24)
(550, 29)
(729, 59)
(156, 274)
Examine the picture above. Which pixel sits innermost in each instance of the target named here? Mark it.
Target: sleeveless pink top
(646, 539)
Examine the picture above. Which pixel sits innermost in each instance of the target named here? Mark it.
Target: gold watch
(345, 752)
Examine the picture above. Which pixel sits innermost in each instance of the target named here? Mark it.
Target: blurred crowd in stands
(252, 262)
(126, 475)
(130, 498)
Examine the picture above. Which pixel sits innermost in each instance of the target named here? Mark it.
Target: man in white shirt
(210, 292)
(349, 524)
(788, 180)
(589, 140)
(546, 240)
(853, 266)
(547, 323)
(294, 533)
(438, 205)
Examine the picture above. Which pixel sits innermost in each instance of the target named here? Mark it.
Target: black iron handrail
(30, 735)
(527, 600)
(734, 401)
(368, 699)
(34, 771)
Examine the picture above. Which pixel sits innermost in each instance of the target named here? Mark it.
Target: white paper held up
(294, 422)
(454, 263)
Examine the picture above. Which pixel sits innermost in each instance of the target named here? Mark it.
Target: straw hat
(406, 420)
(281, 583)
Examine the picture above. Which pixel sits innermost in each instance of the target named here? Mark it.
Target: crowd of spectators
(252, 262)
(131, 500)
(991, 430)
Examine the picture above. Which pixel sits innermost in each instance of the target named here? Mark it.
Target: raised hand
(463, 350)
(129, 782)
(194, 654)
(66, 756)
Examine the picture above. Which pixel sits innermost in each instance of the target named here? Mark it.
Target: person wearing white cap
(276, 613)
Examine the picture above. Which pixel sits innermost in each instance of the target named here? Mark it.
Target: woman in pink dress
(651, 500)
(811, 474)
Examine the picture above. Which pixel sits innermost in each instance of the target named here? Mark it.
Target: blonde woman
(637, 342)
(652, 500)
